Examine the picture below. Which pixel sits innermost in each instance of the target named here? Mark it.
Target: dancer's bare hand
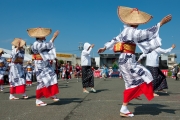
(101, 50)
(166, 19)
(173, 46)
(56, 34)
(92, 45)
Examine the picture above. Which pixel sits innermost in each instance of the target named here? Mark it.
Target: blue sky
(93, 21)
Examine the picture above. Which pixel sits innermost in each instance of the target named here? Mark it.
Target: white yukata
(45, 74)
(16, 74)
(3, 68)
(29, 73)
(136, 77)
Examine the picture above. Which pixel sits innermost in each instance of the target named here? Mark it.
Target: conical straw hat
(132, 16)
(15, 42)
(1, 51)
(39, 32)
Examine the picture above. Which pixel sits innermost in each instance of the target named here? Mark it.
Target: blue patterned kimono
(3, 68)
(29, 73)
(44, 72)
(147, 40)
(16, 73)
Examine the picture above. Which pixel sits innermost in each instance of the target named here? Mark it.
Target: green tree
(61, 61)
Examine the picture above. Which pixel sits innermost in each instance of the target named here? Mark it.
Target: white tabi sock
(11, 96)
(38, 101)
(125, 110)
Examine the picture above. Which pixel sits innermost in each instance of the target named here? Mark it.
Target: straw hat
(132, 16)
(1, 51)
(15, 42)
(39, 32)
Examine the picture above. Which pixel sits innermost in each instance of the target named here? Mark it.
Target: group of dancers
(138, 80)
(43, 53)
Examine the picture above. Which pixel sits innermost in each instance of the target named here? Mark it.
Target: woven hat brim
(131, 17)
(1, 51)
(15, 42)
(39, 32)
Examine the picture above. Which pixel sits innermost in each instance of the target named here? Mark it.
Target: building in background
(111, 60)
(67, 57)
(172, 60)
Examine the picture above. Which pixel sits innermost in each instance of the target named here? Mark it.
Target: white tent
(7, 54)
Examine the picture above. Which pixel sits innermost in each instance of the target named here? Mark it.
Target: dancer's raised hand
(166, 19)
(55, 35)
(101, 50)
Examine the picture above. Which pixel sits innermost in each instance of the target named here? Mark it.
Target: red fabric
(1, 82)
(70, 68)
(28, 82)
(18, 89)
(47, 92)
(165, 72)
(146, 89)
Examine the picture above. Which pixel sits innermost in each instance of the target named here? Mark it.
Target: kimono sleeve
(5, 65)
(109, 45)
(45, 46)
(14, 54)
(163, 51)
(148, 39)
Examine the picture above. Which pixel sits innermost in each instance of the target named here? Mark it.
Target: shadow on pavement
(64, 101)
(30, 97)
(152, 109)
(101, 90)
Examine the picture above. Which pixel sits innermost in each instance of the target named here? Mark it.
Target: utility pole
(80, 47)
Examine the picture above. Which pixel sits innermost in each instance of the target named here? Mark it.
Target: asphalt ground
(102, 105)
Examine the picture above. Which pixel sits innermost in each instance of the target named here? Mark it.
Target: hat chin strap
(135, 9)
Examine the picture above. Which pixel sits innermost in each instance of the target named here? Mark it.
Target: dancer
(77, 72)
(68, 72)
(87, 73)
(63, 71)
(136, 77)
(16, 72)
(110, 72)
(43, 52)
(176, 70)
(104, 72)
(29, 72)
(3, 68)
(152, 64)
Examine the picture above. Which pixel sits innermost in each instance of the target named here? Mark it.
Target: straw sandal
(55, 99)
(25, 97)
(126, 114)
(156, 94)
(14, 98)
(41, 104)
(85, 91)
(138, 98)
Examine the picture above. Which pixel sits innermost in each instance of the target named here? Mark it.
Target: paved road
(103, 105)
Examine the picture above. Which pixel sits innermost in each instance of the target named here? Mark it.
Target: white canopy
(7, 54)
